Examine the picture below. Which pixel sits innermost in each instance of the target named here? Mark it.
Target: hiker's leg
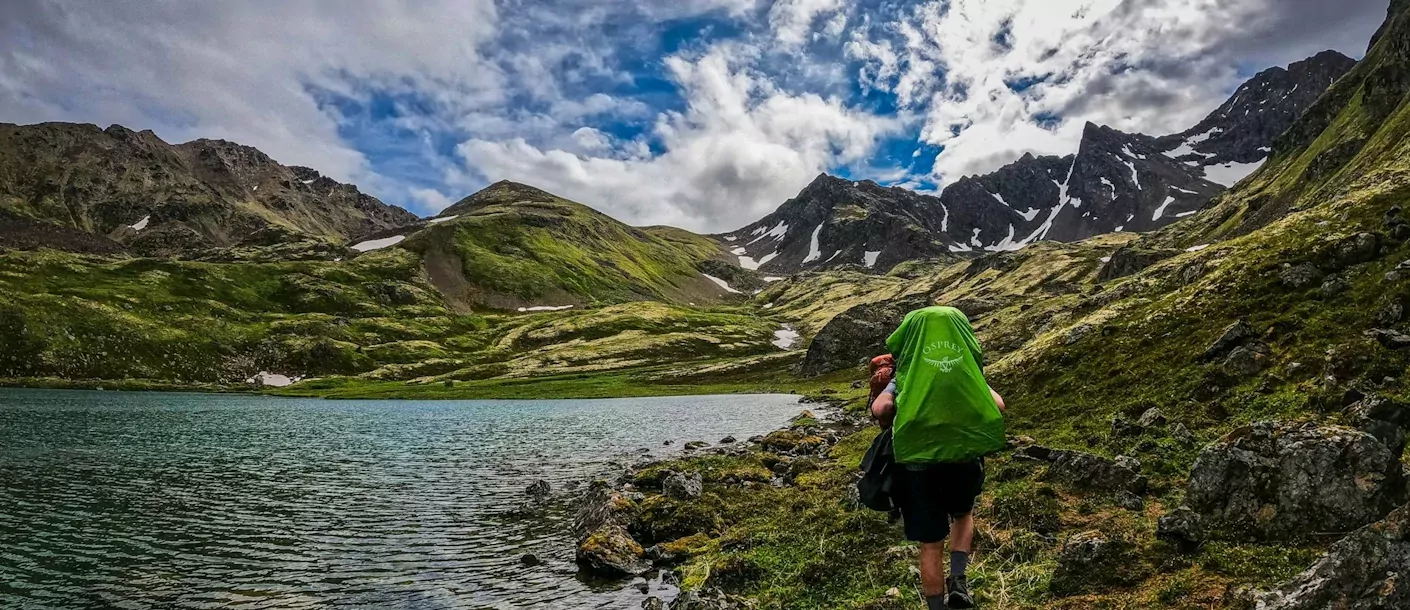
(962, 533)
(932, 568)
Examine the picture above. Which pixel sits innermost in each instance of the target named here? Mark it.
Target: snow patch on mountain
(869, 258)
(1230, 174)
(1160, 211)
(375, 244)
(722, 283)
(814, 249)
(141, 224)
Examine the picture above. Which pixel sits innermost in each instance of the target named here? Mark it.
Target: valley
(1202, 337)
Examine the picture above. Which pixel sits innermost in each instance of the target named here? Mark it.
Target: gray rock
(1354, 250)
(539, 489)
(1390, 338)
(1232, 336)
(682, 486)
(694, 445)
(1078, 333)
(1392, 313)
(1365, 570)
(1120, 426)
(1090, 561)
(653, 603)
(705, 600)
(1182, 527)
(1180, 433)
(1334, 286)
(1129, 501)
(856, 335)
(1246, 360)
(1385, 419)
(727, 440)
(1271, 482)
(1152, 418)
(604, 546)
(1300, 276)
(1090, 472)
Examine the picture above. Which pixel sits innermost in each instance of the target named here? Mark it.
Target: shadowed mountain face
(157, 198)
(1115, 182)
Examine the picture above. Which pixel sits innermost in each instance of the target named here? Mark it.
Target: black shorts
(930, 495)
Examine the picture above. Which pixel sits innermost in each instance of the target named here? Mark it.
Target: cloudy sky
(704, 114)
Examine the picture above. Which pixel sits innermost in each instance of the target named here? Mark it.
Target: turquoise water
(156, 500)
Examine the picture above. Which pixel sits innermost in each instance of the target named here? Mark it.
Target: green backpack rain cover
(944, 412)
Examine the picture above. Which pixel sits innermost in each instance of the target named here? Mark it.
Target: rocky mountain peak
(499, 193)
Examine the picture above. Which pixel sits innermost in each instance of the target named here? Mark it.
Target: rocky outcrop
(1091, 561)
(854, 336)
(605, 547)
(1086, 471)
(1365, 570)
(1287, 482)
(682, 486)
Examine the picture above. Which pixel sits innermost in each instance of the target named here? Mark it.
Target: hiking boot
(958, 592)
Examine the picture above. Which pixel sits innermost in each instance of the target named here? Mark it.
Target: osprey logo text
(937, 354)
(946, 364)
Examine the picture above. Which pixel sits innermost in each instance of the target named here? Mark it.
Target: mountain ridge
(1114, 182)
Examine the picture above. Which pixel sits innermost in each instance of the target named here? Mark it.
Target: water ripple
(135, 500)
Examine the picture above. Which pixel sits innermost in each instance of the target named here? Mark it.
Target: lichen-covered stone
(1090, 561)
(1272, 482)
(682, 486)
(1366, 570)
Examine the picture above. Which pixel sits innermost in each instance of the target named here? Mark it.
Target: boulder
(682, 486)
(1180, 433)
(1090, 561)
(530, 560)
(1334, 286)
(1086, 471)
(1181, 527)
(1287, 482)
(653, 603)
(706, 600)
(1385, 419)
(728, 440)
(1390, 338)
(610, 551)
(1246, 360)
(539, 489)
(1232, 336)
(604, 546)
(694, 445)
(1354, 250)
(1152, 418)
(855, 335)
(1365, 570)
(1300, 276)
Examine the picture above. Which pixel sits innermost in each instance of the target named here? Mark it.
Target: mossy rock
(661, 518)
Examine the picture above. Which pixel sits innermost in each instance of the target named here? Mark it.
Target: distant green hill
(512, 246)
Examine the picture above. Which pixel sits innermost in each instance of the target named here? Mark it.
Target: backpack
(875, 488)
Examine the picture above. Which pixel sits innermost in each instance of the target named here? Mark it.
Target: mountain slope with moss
(1145, 357)
(512, 245)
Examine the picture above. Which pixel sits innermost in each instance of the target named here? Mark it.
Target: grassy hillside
(513, 246)
(1309, 254)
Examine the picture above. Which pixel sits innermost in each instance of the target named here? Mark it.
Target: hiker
(944, 419)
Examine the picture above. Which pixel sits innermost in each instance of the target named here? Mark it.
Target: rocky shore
(1273, 515)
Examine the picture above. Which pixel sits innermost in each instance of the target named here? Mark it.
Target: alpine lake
(179, 500)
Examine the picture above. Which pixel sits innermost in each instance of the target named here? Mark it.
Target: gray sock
(935, 602)
(959, 560)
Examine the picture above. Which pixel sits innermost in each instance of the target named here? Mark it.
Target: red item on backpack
(883, 370)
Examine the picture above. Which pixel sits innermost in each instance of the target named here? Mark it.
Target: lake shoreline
(621, 525)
